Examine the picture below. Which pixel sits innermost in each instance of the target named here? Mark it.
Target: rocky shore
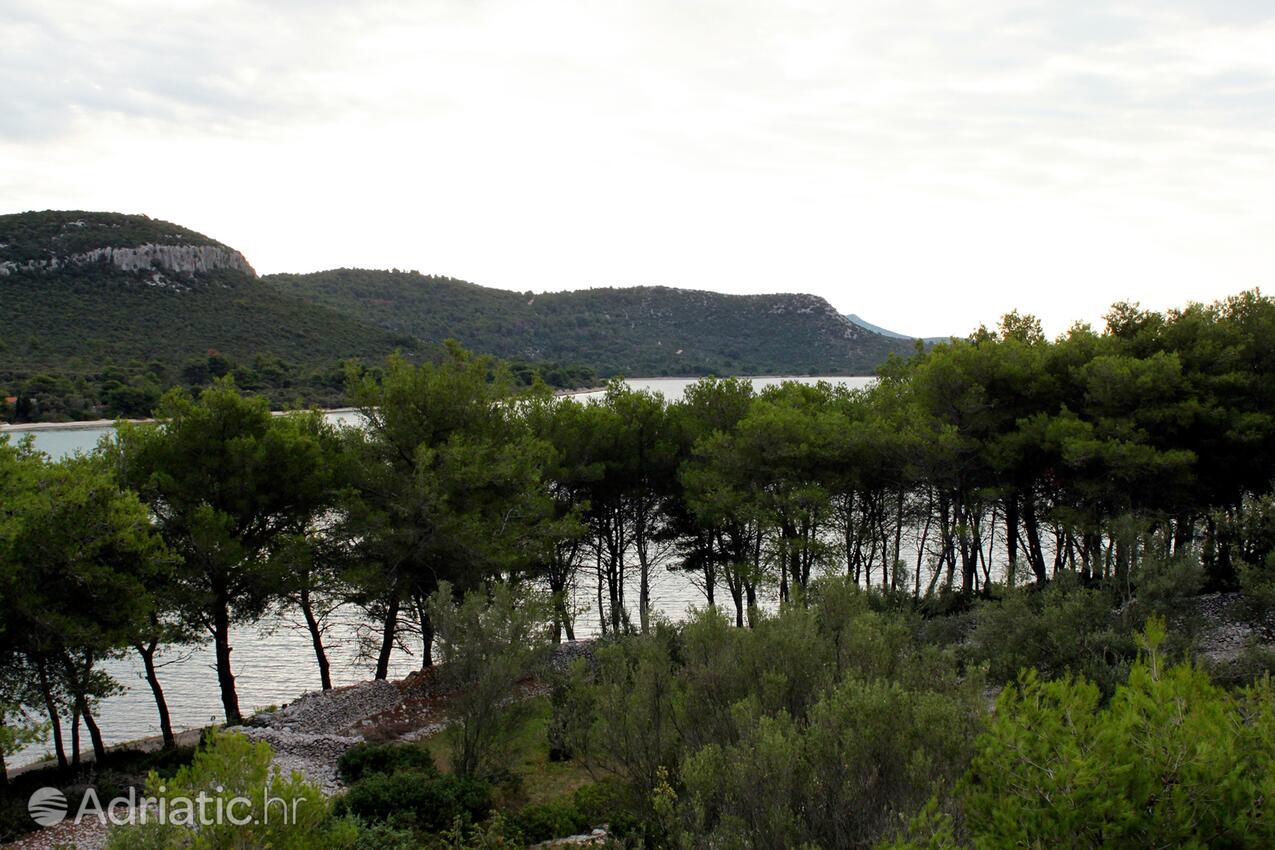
(309, 734)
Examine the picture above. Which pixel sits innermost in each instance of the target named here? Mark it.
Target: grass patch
(535, 779)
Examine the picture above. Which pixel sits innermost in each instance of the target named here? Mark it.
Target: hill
(864, 323)
(637, 331)
(103, 311)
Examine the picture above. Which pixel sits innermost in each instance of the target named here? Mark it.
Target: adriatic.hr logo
(47, 806)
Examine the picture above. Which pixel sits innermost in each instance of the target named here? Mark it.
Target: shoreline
(92, 424)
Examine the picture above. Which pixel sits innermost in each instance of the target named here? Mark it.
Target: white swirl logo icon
(47, 806)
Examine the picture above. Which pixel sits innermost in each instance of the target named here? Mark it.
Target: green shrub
(231, 766)
(1172, 761)
(542, 821)
(607, 801)
(870, 748)
(1257, 582)
(1063, 628)
(1246, 668)
(487, 642)
(635, 692)
(427, 800)
(383, 836)
(366, 759)
(1163, 583)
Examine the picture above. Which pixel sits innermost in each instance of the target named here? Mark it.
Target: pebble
(331, 712)
(313, 756)
(1229, 627)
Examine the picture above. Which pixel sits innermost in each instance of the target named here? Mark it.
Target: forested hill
(103, 311)
(643, 330)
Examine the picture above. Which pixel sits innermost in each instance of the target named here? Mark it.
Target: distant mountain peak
(854, 318)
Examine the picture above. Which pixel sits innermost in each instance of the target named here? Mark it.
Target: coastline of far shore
(90, 424)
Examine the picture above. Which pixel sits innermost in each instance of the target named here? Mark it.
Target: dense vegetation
(1004, 511)
(60, 233)
(643, 330)
(92, 340)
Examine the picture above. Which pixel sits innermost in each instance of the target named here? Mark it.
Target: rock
(186, 259)
(597, 837)
(313, 756)
(1228, 625)
(330, 712)
(564, 654)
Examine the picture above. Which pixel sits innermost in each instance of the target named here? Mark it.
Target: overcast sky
(927, 164)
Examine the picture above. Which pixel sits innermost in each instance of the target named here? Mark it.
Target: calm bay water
(273, 660)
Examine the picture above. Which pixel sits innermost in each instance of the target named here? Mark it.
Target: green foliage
(227, 483)
(384, 836)
(366, 759)
(425, 800)
(606, 801)
(634, 331)
(1062, 628)
(487, 642)
(57, 233)
(78, 558)
(870, 750)
(17, 729)
(398, 786)
(1171, 761)
(98, 341)
(542, 821)
(447, 484)
(231, 766)
(824, 724)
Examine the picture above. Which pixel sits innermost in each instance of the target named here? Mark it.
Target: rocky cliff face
(183, 259)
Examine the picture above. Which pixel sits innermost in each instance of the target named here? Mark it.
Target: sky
(928, 165)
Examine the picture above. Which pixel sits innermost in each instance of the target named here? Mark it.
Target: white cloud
(926, 165)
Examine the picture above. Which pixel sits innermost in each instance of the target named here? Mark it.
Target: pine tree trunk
(1034, 553)
(147, 652)
(427, 634)
(1011, 537)
(55, 722)
(388, 629)
(95, 734)
(225, 677)
(316, 640)
(75, 738)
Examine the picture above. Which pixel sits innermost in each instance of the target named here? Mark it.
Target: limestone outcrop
(182, 259)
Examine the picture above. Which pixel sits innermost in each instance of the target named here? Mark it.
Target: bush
(542, 821)
(383, 836)
(871, 748)
(366, 759)
(426, 800)
(1163, 583)
(1257, 583)
(603, 802)
(634, 690)
(1062, 628)
(487, 645)
(232, 766)
(1172, 761)
(1250, 666)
